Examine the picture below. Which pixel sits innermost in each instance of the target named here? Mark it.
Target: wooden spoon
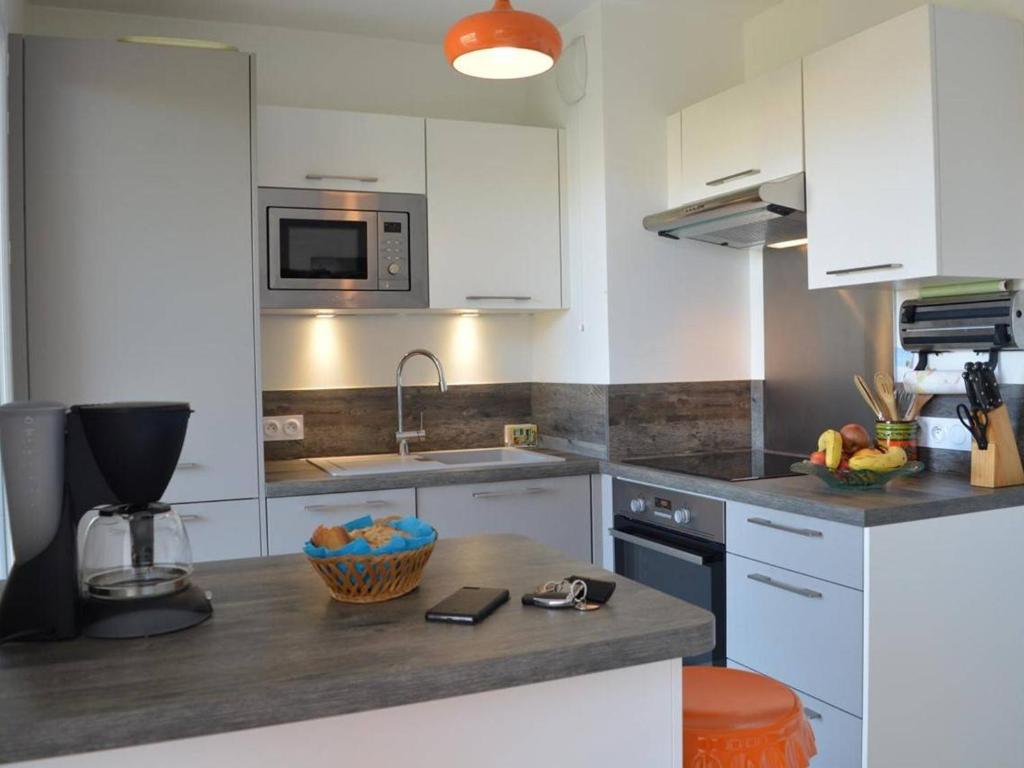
(887, 395)
(865, 393)
(920, 401)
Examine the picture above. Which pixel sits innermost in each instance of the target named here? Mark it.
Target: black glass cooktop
(725, 465)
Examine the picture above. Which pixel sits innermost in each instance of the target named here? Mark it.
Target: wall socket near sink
(278, 428)
(947, 434)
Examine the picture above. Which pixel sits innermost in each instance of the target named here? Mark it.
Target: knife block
(999, 465)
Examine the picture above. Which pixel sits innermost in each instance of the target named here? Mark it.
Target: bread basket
(373, 578)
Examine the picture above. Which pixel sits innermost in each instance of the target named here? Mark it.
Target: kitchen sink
(350, 466)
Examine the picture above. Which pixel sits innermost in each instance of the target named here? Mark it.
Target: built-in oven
(324, 250)
(674, 542)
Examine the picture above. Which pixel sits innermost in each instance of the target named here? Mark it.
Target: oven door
(315, 249)
(682, 566)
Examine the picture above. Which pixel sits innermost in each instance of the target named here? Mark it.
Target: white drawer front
(820, 548)
(222, 530)
(837, 734)
(554, 511)
(803, 631)
(291, 521)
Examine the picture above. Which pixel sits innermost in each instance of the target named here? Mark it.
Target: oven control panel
(392, 251)
(668, 508)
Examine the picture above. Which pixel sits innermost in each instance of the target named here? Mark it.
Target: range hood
(772, 212)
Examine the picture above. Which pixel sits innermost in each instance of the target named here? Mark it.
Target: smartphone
(470, 605)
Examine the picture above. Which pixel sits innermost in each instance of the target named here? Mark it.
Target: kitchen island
(281, 674)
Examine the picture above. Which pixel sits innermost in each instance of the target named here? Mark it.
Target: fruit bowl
(856, 479)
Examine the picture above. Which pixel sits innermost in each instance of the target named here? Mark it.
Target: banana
(893, 458)
(831, 442)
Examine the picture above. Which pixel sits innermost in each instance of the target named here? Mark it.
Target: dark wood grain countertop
(903, 500)
(279, 650)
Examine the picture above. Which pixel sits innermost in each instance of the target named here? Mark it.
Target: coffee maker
(113, 461)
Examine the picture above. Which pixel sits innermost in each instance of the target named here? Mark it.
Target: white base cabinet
(222, 530)
(291, 521)
(554, 511)
(837, 734)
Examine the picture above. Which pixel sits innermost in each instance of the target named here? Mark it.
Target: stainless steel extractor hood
(772, 212)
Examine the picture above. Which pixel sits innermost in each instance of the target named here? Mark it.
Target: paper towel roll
(934, 382)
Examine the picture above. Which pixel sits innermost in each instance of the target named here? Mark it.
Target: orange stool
(736, 719)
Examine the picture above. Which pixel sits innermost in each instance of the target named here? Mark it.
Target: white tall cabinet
(913, 150)
(133, 240)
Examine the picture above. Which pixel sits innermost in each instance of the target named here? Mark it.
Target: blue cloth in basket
(419, 535)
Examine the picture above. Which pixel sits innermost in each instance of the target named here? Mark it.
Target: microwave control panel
(392, 251)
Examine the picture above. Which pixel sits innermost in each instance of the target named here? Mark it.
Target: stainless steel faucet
(403, 436)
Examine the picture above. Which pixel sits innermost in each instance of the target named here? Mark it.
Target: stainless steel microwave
(323, 249)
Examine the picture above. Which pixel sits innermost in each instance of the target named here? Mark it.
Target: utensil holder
(999, 465)
(900, 434)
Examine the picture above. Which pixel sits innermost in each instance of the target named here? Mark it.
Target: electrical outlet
(947, 434)
(276, 428)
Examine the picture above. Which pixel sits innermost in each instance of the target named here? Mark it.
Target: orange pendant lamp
(503, 44)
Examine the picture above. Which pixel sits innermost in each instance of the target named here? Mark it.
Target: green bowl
(856, 479)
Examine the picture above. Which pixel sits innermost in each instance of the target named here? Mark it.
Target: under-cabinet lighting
(325, 315)
(789, 243)
(470, 313)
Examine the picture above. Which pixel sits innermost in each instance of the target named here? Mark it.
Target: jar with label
(898, 433)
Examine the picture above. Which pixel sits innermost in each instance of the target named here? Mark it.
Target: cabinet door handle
(769, 581)
(341, 177)
(498, 298)
(349, 505)
(810, 714)
(852, 270)
(732, 176)
(808, 532)
(515, 492)
(188, 465)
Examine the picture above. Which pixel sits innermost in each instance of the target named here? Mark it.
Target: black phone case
(470, 605)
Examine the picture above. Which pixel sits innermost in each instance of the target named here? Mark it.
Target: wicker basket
(372, 578)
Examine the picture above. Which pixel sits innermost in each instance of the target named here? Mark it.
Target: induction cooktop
(724, 465)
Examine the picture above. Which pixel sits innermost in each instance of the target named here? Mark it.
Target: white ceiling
(420, 20)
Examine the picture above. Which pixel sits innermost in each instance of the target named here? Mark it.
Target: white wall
(362, 351)
(572, 346)
(678, 311)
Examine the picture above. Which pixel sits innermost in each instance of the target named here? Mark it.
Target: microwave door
(315, 249)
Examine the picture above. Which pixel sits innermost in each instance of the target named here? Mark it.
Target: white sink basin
(350, 466)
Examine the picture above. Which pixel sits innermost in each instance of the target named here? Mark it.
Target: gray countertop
(903, 500)
(278, 650)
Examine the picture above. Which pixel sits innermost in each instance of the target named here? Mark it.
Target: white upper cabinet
(741, 137)
(493, 216)
(915, 168)
(328, 149)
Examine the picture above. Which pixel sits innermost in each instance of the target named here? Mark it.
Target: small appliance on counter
(134, 579)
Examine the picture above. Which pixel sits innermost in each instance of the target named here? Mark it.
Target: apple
(855, 437)
(818, 457)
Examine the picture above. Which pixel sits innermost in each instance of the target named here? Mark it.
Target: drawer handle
(810, 714)
(499, 494)
(350, 505)
(732, 176)
(808, 532)
(852, 270)
(498, 298)
(191, 517)
(342, 177)
(769, 581)
(188, 465)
